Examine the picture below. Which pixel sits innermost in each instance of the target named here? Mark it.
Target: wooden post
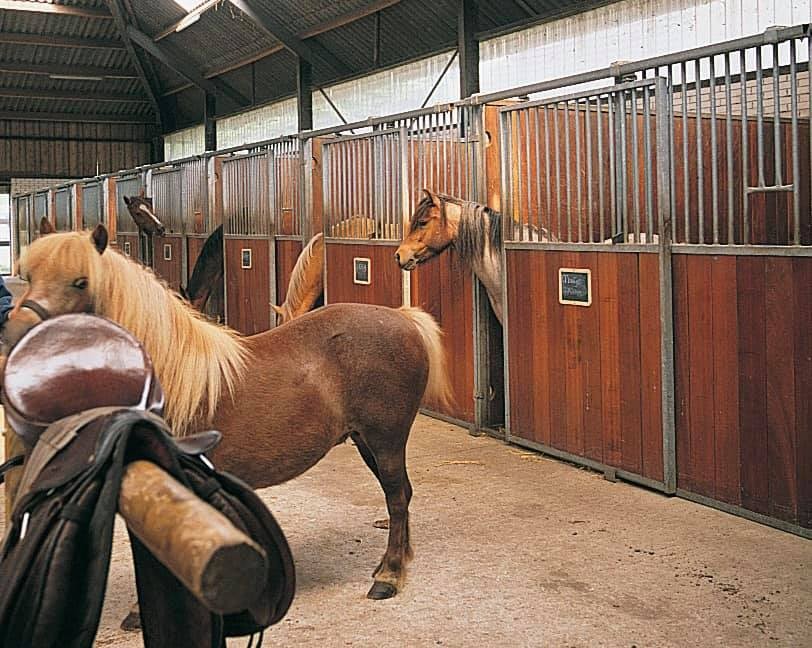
(304, 88)
(217, 562)
(467, 19)
(78, 219)
(110, 208)
(209, 123)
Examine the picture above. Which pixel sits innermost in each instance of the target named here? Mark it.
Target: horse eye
(422, 224)
(80, 283)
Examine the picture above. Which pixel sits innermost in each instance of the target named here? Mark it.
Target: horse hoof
(132, 622)
(380, 591)
(381, 524)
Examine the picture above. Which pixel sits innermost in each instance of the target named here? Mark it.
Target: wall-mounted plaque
(167, 251)
(575, 286)
(360, 271)
(127, 248)
(246, 258)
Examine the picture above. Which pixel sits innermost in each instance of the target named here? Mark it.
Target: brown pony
(283, 398)
(475, 231)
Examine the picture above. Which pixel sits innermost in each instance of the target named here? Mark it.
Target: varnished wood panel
(586, 380)
(170, 271)
(194, 245)
(287, 252)
(444, 288)
(248, 290)
(743, 371)
(132, 239)
(385, 288)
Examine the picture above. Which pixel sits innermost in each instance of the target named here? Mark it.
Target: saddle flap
(73, 363)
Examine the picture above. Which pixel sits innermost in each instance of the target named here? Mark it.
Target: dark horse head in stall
(143, 213)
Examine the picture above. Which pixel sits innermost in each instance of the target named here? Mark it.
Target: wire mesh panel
(167, 198)
(194, 208)
(63, 209)
(91, 204)
(247, 195)
(40, 206)
(22, 217)
(582, 168)
(286, 187)
(129, 185)
(364, 185)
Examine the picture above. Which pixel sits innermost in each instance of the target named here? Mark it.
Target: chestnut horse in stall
(283, 398)
(475, 231)
(143, 213)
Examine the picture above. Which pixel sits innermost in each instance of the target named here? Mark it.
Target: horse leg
(391, 473)
(369, 460)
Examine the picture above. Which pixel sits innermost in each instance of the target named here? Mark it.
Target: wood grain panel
(444, 288)
(610, 358)
(248, 291)
(194, 245)
(287, 252)
(650, 363)
(169, 270)
(132, 239)
(629, 347)
(802, 284)
(385, 288)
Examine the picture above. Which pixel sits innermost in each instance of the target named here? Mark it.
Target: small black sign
(167, 252)
(575, 286)
(247, 259)
(361, 271)
(127, 248)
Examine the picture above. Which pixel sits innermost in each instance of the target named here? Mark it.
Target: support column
(304, 89)
(467, 19)
(210, 125)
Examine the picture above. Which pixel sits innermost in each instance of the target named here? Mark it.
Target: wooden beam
(209, 123)
(68, 70)
(77, 118)
(213, 86)
(72, 95)
(59, 41)
(304, 94)
(148, 82)
(468, 46)
(41, 7)
(525, 7)
(321, 28)
(313, 52)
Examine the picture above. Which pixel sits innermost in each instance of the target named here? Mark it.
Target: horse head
(430, 231)
(63, 272)
(45, 227)
(143, 213)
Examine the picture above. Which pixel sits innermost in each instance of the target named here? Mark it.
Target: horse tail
(438, 388)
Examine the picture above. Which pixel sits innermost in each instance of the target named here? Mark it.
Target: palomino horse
(204, 289)
(474, 230)
(282, 399)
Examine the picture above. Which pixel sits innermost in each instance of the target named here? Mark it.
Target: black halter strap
(41, 312)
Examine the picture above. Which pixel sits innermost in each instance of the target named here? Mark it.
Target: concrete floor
(514, 549)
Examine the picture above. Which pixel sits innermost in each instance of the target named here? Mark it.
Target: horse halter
(41, 311)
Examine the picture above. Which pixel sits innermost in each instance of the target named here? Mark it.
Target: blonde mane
(197, 362)
(305, 283)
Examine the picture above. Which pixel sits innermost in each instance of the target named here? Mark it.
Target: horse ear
(278, 310)
(45, 227)
(127, 200)
(433, 197)
(99, 238)
(183, 293)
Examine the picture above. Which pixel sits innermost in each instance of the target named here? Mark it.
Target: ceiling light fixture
(191, 19)
(75, 77)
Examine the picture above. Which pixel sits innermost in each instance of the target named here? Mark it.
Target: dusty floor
(514, 549)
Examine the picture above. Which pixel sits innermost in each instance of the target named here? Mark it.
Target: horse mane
(211, 252)
(197, 362)
(300, 283)
(471, 230)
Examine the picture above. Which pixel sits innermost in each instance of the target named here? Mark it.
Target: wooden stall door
(585, 380)
(385, 286)
(248, 284)
(287, 252)
(167, 258)
(743, 356)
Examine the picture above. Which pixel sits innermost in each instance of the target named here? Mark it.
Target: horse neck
(486, 266)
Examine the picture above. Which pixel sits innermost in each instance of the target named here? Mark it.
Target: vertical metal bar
(454, 188)
(649, 180)
(714, 156)
(686, 195)
(588, 134)
(635, 165)
(519, 174)
(779, 175)
(557, 171)
(446, 187)
(731, 239)
(405, 196)
(700, 171)
(539, 224)
(599, 128)
(796, 150)
(578, 169)
(745, 155)
(760, 118)
(436, 143)
(613, 200)
(662, 106)
(528, 168)
(567, 173)
(547, 175)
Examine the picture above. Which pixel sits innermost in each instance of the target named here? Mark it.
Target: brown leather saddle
(82, 394)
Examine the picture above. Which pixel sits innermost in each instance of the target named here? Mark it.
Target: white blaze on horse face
(146, 210)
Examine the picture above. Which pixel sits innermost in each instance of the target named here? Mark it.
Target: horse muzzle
(21, 320)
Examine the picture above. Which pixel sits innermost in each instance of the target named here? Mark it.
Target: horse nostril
(397, 257)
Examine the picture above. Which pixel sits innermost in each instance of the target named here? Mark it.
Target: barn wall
(248, 291)
(35, 149)
(743, 360)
